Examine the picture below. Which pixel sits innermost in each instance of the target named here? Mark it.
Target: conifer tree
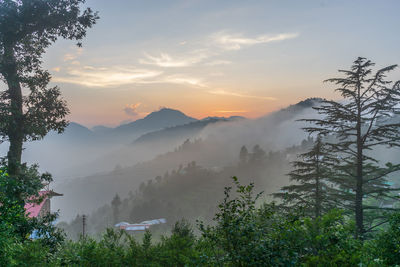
(311, 176)
(360, 123)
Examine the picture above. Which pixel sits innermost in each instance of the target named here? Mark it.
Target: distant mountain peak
(307, 103)
(165, 117)
(166, 112)
(310, 102)
(231, 118)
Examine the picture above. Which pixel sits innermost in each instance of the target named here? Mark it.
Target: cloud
(179, 79)
(229, 41)
(103, 77)
(210, 47)
(71, 56)
(228, 93)
(56, 69)
(205, 54)
(218, 62)
(131, 109)
(167, 61)
(115, 76)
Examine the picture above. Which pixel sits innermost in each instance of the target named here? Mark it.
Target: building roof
(33, 209)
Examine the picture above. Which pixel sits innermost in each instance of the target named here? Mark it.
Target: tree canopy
(359, 123)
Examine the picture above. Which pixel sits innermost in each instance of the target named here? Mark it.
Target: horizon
(183, 112)
(216, 59)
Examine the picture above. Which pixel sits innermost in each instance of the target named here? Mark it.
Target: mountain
(213, 143)
(101, 129)
(74, 132)
(180, 133)
(157, 120)
(70, 153)
(293, 110)
(146, 147)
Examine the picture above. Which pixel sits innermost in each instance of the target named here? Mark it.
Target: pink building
(33, 210)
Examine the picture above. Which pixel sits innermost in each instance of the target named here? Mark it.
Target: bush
(242, 235)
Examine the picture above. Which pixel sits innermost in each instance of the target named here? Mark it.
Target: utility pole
(83, 225)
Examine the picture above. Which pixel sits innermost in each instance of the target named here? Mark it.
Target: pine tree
(311, 176)
(257, 155)
(359, 124)
(27, 28)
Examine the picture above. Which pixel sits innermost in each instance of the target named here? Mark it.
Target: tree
(312, 188)
(116, 203)
(243, 155)
(27, 28)
(257, 155)
(13, 217)
(361, 122)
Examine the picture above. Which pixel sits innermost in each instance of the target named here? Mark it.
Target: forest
(331, 199)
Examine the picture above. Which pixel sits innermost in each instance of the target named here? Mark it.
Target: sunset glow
(230, 58)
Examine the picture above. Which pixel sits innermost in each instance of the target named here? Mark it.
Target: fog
(123, 169)
(174, 169)
(89, 167)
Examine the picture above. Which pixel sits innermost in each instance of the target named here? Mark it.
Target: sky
(217, 58)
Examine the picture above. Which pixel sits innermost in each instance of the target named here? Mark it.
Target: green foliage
(17, 249)
(243, 234)
(329, 241)
(311, 178)
(248, 236)
(8, 243)
(237, 234)
(357, 125)
(179, 248)
(117, 248)
(385, 248)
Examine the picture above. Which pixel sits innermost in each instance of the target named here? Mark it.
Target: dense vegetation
(242, 234)
(191, 190)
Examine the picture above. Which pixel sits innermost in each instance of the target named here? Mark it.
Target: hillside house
(34, 210)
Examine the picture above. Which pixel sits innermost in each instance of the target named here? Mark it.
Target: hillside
(213, 144)
(189, 190)
(64, 155)
(182, 132)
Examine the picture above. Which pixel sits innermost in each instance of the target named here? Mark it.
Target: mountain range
(211, 142)
(81, 151)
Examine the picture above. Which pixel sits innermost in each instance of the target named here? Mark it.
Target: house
(34, 209)
(139, 226)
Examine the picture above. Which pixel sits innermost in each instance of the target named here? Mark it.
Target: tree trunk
(359, 197)
(16, 125)
(359, 180)
(318, 199)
